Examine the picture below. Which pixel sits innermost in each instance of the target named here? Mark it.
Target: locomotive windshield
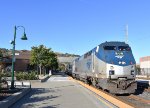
(117, 53)
(124, 48)
(109, 47)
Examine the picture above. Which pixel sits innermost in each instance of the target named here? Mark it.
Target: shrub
(21, 75)
(26, 75)
(7, 74)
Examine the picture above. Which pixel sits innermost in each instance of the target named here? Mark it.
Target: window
(109, 47)
(124, 48)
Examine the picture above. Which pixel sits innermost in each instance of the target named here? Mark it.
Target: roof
(23, 54)
(66, 59)
(146, 58)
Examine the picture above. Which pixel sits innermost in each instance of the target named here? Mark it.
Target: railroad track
(136, 101)
(147, 90)
(141, 99)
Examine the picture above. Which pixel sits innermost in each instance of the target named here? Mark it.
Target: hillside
(66, 55)
(7, 52)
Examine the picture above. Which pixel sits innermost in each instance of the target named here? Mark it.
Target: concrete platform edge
(6, 103)
(45, 78)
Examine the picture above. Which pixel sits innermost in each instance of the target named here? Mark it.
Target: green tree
(52, 61)
(62, 67)
(43, 57)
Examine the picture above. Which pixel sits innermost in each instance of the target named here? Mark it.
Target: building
(145, 65)
(66, 59)
(66, 62)
(22, 60)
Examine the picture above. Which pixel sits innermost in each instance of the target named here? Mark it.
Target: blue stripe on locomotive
(110, 56)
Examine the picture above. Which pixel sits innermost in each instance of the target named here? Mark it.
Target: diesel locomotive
(109, 66)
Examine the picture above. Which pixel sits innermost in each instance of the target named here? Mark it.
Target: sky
(76, 26)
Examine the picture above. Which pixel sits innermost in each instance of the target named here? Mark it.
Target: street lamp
(13, 52)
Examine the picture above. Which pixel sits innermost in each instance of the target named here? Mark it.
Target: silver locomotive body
(110, 66)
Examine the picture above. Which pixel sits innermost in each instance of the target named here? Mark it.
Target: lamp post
(13, 52)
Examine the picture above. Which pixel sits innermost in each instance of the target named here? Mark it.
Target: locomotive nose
(117, 72)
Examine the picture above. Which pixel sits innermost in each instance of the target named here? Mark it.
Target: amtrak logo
(119, 55)
(88, 64)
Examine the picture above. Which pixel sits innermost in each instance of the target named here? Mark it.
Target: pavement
(9, 101)
(60, 92)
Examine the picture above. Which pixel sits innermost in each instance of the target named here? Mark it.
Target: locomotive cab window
(124, 48)
(109, 47)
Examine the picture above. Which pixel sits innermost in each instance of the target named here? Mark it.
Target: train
(110, 66)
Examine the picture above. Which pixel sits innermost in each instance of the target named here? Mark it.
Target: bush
(21, 75)
(26, 76)
(7, 74)
(32, 76)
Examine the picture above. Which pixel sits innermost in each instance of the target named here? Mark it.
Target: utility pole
(126, 34)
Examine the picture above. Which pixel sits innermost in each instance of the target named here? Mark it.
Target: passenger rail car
(110, 66)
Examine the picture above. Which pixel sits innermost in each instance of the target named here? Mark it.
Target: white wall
(145, 64)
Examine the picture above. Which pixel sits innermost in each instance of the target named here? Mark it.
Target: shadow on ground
(141, 86)
(37, 98)
(62, 74)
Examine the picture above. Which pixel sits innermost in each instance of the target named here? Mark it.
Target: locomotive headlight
(132, 72)
(111, 72)
(123, 62)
